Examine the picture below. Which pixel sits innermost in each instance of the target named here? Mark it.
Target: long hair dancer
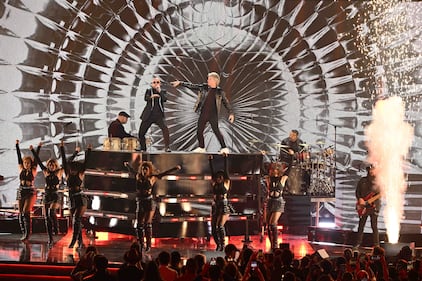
(53, 175)
(26, 194)
(75, 172)
(146, 180)
(220, 183)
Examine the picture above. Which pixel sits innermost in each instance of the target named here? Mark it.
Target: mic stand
(334, 156)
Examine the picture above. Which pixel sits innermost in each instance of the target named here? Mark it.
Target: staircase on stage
(184, 198)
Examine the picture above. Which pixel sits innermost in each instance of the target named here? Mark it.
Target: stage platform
(113, 246)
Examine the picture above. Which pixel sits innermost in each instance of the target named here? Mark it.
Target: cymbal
(304, 144)
(320, 143)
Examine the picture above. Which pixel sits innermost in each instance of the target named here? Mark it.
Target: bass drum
(298, 181)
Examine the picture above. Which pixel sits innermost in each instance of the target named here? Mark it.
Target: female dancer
(78, 200)
(146, 179)
(53, 174)
(276, 181)
(26, 193)
(220, 207)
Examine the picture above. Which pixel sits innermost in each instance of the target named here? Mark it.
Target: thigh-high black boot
(77, 225)
(49, 228)
(22, 225)
(140, 236)
(274, 236)
(53, 216)
(148, 236)
(221, 232)
(26, 226)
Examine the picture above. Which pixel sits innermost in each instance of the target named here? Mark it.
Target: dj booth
(184, 198)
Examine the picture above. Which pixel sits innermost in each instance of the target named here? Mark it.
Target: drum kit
(117, 144)
(312, 169)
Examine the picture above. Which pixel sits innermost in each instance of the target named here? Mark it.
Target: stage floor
(114, 245)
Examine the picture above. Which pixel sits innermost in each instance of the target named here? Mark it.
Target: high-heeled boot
(77, 225)
(21, 225)
(221, 237)
(140, 236)
(274, 237)
(26, 226)
(80, 240)
(55, 224)
(216, 237)
(269, 234)
(49, 228)
(148, 236)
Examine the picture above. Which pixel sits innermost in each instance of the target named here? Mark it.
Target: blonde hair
(28, 158)
(216, 76)
(54, 161)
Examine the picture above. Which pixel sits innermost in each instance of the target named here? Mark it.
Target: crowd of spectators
(249, 265)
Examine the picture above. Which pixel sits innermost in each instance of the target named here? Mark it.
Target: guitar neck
(374, 198)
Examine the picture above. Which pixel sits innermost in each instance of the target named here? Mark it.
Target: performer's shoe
(199, 150)
(224, 150)
(167, 149)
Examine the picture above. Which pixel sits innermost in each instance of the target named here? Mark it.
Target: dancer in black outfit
(53, 174)
(154, 113)
(26, 193)
(275, 204)
(78, 200)
(210, 98)
(220, 208)
(146, 180)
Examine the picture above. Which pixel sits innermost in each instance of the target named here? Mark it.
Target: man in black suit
(154, 113)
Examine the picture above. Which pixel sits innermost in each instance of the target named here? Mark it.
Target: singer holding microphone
(153, 112)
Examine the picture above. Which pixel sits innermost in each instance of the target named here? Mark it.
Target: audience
(151, 272)
(131, 269)
(189, 272)
(166, 273)
(85, 265)
(176, 261)
(252, 265)
(100, 270)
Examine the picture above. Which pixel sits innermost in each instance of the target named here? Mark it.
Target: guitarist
(365, 190)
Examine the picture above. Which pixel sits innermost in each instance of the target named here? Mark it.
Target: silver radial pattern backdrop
(68, 67)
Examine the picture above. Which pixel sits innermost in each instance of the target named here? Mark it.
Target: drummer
(116, 129)
(291, 147)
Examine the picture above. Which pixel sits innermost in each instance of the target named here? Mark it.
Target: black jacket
(220, 97)
(152, 102)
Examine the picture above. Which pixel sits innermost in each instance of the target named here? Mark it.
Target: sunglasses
(156, 82)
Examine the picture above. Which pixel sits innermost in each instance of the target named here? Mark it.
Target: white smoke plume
(389, 139)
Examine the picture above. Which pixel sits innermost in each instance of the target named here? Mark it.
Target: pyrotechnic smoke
(389, 139)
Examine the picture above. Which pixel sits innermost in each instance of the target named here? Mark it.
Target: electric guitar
(362, 209)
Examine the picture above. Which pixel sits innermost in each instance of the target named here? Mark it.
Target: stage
(182, 219)
(113, 246)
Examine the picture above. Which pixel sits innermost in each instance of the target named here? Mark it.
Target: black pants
(146, 124)
(374, 226)
(213, 120)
